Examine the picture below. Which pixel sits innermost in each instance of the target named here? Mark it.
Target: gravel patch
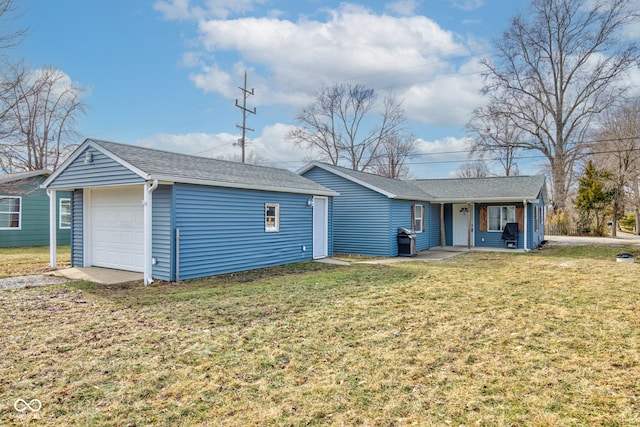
(29, 281)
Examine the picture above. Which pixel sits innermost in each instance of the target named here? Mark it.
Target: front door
(320, 226)
(462, 220)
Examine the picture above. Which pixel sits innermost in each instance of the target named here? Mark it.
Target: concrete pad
(331, 261)
(106, 276)
(428, 255)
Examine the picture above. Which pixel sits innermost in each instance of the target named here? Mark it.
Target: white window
(418, 218)
(271, 217)
(499, 216)
(65, 213)
(10, 213)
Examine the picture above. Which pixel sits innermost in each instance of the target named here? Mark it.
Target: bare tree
(39, 108)
(556, 68)
(341, 126)
(8, 13)
(392, 156)
(495, 137)
(252, 158)
(473, 169)
(617, 151)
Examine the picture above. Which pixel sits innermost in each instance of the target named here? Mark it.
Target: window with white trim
(271, 217)
(65, 213)
(418, 218)
(499, 216)
(10, 213)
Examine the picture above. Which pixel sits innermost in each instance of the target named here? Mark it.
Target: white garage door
(117, 228)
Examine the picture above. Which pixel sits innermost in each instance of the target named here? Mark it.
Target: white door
(461, 215)
(116, 221)
(320, 225)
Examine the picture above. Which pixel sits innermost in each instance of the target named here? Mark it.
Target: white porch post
(148, 231)
(525, 224)
(53, 226)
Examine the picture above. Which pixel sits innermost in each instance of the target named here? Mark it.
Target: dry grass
(31, 260)
(543, 339)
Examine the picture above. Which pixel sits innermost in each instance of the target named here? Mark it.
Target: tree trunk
(559, 177)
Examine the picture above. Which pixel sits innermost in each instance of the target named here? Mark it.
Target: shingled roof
(503, 188)
(18, 176)
(392, 188)
(168, 166)
(494, 189)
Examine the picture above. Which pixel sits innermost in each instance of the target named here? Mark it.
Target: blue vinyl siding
(402, 218)
(223, 230)
(34, 229)
(361, 217)
(77, 228)
(163, 233)
(434, 225)
(102, 170)
(493, 239)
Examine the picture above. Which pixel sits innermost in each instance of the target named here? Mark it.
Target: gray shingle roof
(393, 188)
(513, 188)
(22, 175)
(491, 188)
(168, 166)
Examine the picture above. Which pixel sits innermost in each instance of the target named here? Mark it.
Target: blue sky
(165, 73)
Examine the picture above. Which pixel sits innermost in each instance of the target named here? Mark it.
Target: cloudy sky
(165, 73)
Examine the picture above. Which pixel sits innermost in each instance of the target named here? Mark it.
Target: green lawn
(550, 338)
(24, 261)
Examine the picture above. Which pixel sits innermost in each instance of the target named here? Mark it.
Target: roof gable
(152, 164)
(389, 187)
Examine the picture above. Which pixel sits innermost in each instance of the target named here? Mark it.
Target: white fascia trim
(65, 164)
(489, 200)
(347, 177)
(79, 151)
(168, 179)
(142, 174)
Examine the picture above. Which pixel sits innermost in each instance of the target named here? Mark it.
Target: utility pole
(245, 113)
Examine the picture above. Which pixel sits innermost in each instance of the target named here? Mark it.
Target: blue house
(442, 212)
(173, 216)
(24, 211)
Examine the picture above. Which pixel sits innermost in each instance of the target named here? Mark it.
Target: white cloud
(467, 5)
(188, 9)
(293, 60)
(439, 158)
(402, 7)
(271, 147)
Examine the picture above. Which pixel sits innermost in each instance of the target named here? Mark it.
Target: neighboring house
(442, 212)
(24, 211)
(173, 216)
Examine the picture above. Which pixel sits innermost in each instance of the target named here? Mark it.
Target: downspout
(148, 232)
(526, 231)
(52, 229)
(443, 240)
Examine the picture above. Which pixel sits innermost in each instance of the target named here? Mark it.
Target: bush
(627, 222)
(559, 222)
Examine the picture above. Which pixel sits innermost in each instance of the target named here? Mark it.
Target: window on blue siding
(271, 217)
(10, 213)
(499, 216)
(417, 217)
(65, 213)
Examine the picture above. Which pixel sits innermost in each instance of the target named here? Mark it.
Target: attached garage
(116, 224)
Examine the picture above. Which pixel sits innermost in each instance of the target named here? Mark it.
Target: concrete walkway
(106, 276)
